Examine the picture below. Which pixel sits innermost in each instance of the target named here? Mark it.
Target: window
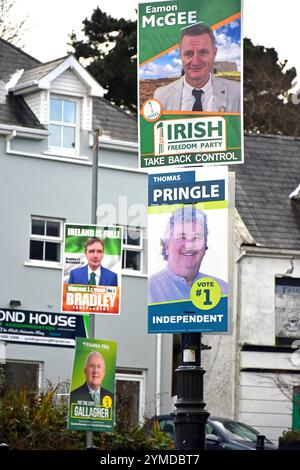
(45, 240)
(21, 375)
(63, 123)
(130, 397)
(132, 248)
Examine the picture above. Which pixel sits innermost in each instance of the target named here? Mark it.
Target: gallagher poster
(92, 269)
(91, 403)
(188, 251)
(190, 92)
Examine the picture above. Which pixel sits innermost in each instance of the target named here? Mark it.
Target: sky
(270, 23)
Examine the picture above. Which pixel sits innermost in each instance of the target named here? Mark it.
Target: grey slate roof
(12, 59)
(39, 71)
(115, 123)
(13, 109)
(263, 184)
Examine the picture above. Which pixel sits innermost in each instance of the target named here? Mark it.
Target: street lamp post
(190, 417)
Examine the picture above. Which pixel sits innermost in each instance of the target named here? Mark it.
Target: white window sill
(43, 264)
(61, 153)
(132, 273)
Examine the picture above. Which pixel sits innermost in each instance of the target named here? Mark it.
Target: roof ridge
(20, 50)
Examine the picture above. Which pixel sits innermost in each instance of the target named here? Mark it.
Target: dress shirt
(188, 99)
(166, 286)
(97, 273)
(93, 392)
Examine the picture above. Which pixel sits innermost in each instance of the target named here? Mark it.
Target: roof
(263, 184)
(13, 109)
(114, 122)
(39, 71)
(12, 59)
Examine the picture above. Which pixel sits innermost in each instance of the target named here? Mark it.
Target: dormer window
(63, 124)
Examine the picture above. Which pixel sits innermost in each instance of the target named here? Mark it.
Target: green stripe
(199, 205)
(177, 301)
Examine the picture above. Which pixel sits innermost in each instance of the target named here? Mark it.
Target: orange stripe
(192, 113)
(160, 54)
(168, 113)
(226, 21)
(215, 26)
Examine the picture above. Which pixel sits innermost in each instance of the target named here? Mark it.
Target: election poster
(91, 403)
(42, 328)
(287, 309)
(190, 83)
(188, 250)
(92, 264)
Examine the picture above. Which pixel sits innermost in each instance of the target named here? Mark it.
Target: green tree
(110, 46)
(268, 104)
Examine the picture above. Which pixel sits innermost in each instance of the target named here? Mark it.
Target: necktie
(198, 104)
(96, 397)
(92, 280)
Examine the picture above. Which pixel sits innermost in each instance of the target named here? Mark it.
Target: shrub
(35, 421)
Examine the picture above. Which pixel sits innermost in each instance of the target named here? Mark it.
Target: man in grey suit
(198, 90)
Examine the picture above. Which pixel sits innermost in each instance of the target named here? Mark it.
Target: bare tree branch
(10, 30)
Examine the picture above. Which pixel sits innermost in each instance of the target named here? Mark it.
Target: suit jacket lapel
(220, 95)
(86, 274)
(175, 102)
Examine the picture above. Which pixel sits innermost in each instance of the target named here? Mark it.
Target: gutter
(11, 133)
(25, 132)
(262, 251)
(115, 144)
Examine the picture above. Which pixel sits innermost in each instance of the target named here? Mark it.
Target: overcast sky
(267, 22)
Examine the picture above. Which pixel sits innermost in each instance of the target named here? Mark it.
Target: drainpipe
(8, 139)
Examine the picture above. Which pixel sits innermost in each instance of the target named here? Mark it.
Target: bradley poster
(190, 90)
(91, 404)
(188, 250)
(92, 269)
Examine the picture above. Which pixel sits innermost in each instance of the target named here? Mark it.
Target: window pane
(55, 135)
(133, 260)
(133, 236)
(36, 250)
(55, 109)
(52, 252)
(69, 137)
(127, 402)
(18, 376)
(53, 229)
(69, 112)
(37, 227)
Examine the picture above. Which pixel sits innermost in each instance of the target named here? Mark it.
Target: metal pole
(89, 434)
(190, 417)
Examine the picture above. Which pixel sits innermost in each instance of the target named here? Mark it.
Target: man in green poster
(198, 89)
(91, 390)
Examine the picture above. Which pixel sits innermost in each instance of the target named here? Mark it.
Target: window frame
(64, 150)
(46, 238)
(135, 376)
(133, 248)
